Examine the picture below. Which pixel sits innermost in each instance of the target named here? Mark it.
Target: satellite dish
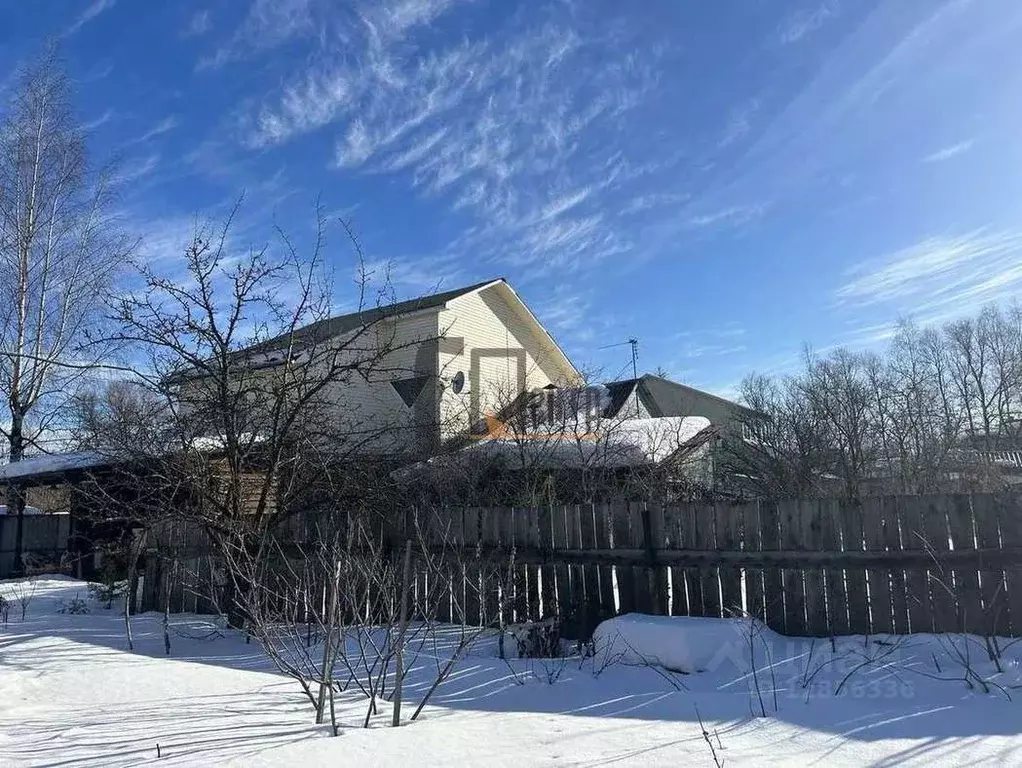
(458, 382)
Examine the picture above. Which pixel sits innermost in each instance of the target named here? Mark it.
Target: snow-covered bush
(75, 606)
(537, 639)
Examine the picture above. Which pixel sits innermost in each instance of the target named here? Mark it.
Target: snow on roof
(218, 442)
(52, 462)
(626, 443)
(28, 511)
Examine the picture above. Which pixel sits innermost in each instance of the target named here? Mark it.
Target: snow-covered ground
(72, 695)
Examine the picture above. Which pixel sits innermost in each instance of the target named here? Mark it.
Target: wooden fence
(816, 567)
(44, 537)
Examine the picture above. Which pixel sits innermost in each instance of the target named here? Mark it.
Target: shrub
(75, 606)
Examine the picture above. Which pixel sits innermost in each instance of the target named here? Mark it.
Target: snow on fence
(819, 567)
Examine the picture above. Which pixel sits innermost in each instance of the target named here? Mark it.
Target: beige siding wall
(373, 407)
(497, 349)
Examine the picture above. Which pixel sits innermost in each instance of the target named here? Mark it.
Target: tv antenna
(634, 344)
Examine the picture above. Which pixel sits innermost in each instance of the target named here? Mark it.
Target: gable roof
(335, 326)
(662, 397)
(539, 331)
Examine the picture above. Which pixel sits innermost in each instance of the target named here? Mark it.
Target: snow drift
(677, 643)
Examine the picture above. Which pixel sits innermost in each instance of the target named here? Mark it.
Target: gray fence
(903, 564)
(44, 538)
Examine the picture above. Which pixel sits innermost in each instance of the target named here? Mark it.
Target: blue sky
(723, 180)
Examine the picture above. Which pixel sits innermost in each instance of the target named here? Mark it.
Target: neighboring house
(652, 396)
(626, 431)
(55, 523)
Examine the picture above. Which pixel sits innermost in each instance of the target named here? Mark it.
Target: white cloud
(198, 25)
(96, 122)
(520, 129)
(166, 125)
(803, 23)
(939, 275)
(711, 350)
(734, 216)
(138, 169)
(268, 24)
(948, 152)
(726, 331)
(91, 12)
(356, 146)
(739, 124)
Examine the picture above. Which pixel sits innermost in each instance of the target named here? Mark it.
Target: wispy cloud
(504, 128)
(198, 25)
(268, 24)
(739, 123)
(735, 215)
(91, 12)
(96, 122)
(166, 125)
(806, 21)
(719, 341)
(710, 350)
(938, 275)
(138, 169)
(948, 152)
(726, 331)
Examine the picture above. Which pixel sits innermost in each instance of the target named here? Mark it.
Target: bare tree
(784, 447)
(59, 247)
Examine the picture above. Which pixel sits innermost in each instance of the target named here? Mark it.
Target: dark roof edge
(704, 393)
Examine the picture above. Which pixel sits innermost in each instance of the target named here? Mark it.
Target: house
(434, 365)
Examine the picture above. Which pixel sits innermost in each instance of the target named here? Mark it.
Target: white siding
(508, 347)
(373, 405)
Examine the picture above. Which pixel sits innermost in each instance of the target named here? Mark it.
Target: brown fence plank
(966, 578)
(559, 543)
(878, 579)
(693, 578)
(791, 537)
(1010, 523)
(642, 597)
(576, 596)
(855, 578)
(548, 582)
(773, 583)
(620, 538)
(604, 591)
(591, 537)
(654, 538)
(532, 570)
(917, 587)
(753, 539)
(812, 512)
(729, 522)
(935, 522)
(705, 538)
(834, 578)
(892, 543)
(992, 587)
(672, 541)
